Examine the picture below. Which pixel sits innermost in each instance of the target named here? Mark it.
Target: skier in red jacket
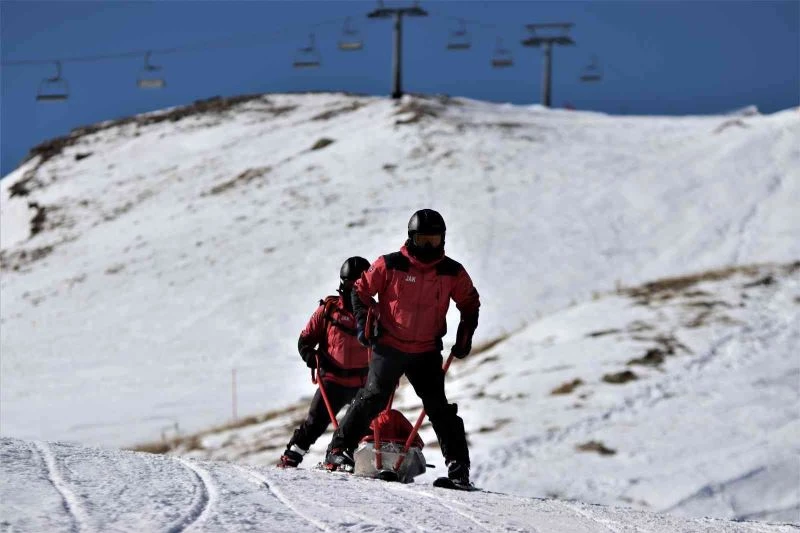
(330, 335)
(405, 328)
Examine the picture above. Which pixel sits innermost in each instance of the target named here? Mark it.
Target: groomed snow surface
(71, 488)
(145, 262)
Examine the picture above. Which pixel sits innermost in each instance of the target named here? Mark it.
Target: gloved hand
(310, 357)
(466, 328)
(460, 352)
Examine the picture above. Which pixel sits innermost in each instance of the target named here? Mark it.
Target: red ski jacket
(413, 299)
(343, 359)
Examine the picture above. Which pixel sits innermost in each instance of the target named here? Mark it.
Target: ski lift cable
(472, 22)
(226, 42)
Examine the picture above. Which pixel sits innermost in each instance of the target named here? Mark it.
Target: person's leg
(318, 418)
(425, 374)
(384, 373)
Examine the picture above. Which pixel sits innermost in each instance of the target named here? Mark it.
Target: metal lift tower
(547, 42)
(397, 59)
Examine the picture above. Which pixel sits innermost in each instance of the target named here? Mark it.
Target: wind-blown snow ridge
(315, 501)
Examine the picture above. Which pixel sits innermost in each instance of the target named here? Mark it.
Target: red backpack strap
(330, 304)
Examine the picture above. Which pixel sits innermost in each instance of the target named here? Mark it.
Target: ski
(447, 483)
(388, 475)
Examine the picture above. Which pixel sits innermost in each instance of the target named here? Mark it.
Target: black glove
(460, 352)
(309, 355)
(466, 328)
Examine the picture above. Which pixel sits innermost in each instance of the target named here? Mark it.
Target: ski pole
(318, 381)
(415, 430)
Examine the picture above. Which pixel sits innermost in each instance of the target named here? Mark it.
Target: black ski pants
(318, 418)
(424, 372)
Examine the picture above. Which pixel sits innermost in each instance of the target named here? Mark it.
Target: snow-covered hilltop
(144, 260)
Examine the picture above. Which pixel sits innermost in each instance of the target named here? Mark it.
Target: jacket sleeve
(313, 334)
(371, 282)
(468, 302)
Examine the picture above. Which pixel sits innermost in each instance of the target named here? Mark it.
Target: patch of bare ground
(244, 178)
(488, 345)
(729, 124)
(595, 446)
(603, 332)
(766, 281)
(498, 424)
(567, 388)
(17, 259)
(194, 441)
(668, 288)
(54, 147)
(322, 143)
(415, 110)
(619, 378)
(335, 112)
(653, 357)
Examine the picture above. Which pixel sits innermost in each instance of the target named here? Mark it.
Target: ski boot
(339, 459)
(292, 457)
(457, 477)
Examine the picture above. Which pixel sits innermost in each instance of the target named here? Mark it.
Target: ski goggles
(422, 240)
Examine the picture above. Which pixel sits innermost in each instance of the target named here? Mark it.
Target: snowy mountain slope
(85, 489)
(680, 395)
(178, 250)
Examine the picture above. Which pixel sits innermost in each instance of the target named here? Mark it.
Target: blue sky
(658, 57)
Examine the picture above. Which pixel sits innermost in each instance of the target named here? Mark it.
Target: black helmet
(423, 223)
(353, 268)
(427, 222)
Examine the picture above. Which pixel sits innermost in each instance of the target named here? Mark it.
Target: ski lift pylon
(149, 80)
(502, 56)
(351, 39)
(307, 56)
(55, 89)
(459, 39)
(592, 72)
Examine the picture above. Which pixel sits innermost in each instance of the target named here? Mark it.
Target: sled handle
(318, 380)
(420, 419)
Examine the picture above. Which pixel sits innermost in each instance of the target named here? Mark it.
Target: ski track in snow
(605, 523)
(443, 501)
(275, 491)
(201, 509)
(367, 519)
(72, 505)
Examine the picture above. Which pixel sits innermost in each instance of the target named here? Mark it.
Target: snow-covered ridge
(147, 262)
(85, 489)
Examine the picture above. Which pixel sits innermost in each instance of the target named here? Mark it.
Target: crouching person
(330, 337)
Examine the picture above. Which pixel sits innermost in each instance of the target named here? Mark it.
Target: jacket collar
(416, 262)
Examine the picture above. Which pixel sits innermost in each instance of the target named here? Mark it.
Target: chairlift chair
(592, 72)
(55, 89)
(459, 39)
(147, 79)
(351, 39)
(502, 56)
(307, 56)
